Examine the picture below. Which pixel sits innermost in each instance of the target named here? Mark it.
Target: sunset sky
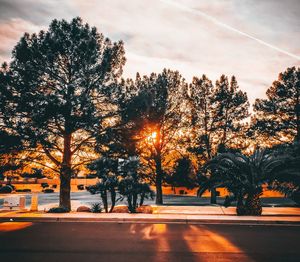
(252, 39)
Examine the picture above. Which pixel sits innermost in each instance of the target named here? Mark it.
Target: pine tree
(63, 80)
(231, 109)
(217, 115)
(158, 115)
(10, 148)
(184, 173)
(11, 143)
(278, 116)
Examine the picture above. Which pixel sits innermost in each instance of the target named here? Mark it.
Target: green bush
(91, 176)
(96, 208)
(80, 187)
(58, 210)
(23, 190)
(6, 189)
(44, 185)
(48, 190)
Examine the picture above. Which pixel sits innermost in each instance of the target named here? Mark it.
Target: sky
(254, 40)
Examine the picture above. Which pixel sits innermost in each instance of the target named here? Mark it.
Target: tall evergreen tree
(278, 116)
(158, 113)
(232, 107)
(120, 139)
(62, 81)
(10, 143)
(184, 174)
(10, 148)
(217, 114)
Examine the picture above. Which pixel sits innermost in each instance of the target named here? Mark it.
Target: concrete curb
(157, 220)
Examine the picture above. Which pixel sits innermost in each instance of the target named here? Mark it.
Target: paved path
(74, 242)
(220, 210)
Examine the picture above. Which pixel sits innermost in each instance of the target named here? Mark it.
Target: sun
(153, 135)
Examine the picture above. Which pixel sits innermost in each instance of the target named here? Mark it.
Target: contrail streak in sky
(230, 28)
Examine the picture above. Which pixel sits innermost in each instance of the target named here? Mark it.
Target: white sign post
(34, 202)
(22, 203)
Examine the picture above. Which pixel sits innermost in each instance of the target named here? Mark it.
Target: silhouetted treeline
(65, 104)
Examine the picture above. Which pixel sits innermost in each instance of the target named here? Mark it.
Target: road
(92, 241)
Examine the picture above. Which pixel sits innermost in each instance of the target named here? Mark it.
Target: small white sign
(11, 203)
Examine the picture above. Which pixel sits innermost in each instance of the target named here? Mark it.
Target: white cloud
(10, 32)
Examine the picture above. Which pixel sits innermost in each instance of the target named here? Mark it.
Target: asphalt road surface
(92, 241)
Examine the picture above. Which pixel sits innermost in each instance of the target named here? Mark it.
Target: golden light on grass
(13, 226)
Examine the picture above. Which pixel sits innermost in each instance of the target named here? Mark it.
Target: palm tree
(244, 176)
(288, 176)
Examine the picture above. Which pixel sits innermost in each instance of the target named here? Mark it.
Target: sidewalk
(221, 210)
(167, 214)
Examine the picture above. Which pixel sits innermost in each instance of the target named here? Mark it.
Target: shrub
(123, 176)
(144, 209)
(6, 189)
(58, 210)
(44, 185)
(121, 209)
(91, 176)
(80, 187)
(23, 190)
(296, 197)
(107, 185)
(12, 186)
(91, 189)
(96, 208)
(135, 191)
(48, 190)
(83, 209)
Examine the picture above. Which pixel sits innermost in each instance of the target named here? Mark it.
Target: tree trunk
(104, 200)
(297, 109)
(134, 202)
(65, 175)
(213, 196)
(113, 199)
(213, 192)
(158, 182)
(240, 207)
(253, 204)
(129, 201)
(159, 198)
(142, 199)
